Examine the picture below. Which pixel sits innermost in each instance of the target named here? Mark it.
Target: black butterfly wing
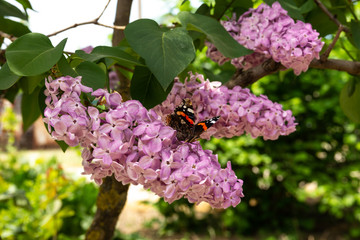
(201, 127)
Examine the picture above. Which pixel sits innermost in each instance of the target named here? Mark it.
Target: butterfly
(183, 121)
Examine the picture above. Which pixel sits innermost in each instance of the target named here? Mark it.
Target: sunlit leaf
(33, 54)
(166, 52)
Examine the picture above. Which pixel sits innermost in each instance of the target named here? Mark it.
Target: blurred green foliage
(39, 201)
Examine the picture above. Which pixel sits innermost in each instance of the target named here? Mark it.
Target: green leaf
(11, 93)
(146, 88)
(355, 30)
(92, 75)
(13, 28)
(33, 54)
(114, 53)
(166, 52)
(29, 84)
(25, 3)
(30, 110)
(215, 32)
(62, 145)
(65, 68)
(6, 9)
(307, 6)
(351, 104)
(7, 78)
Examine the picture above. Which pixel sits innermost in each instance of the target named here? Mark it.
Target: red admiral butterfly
(183, 121)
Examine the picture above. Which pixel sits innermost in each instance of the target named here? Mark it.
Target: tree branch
(8, 36)
(109, 203)
(112, 194)
(122, 17)
(245, 78)
(95, 22)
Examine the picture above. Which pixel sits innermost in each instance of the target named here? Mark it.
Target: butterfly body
(183, 121)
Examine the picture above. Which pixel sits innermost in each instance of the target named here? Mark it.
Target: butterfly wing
(201, 127)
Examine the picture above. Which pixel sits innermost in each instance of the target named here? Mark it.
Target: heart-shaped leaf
(166, 52)
(33, 54)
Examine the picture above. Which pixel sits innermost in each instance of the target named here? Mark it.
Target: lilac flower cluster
(271, 33)
(65, 112)
(133, 144)
(239, 110)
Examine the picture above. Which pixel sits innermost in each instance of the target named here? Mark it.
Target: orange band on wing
(186, 117)
(203, 125)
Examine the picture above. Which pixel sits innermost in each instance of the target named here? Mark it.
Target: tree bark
(121, 19)
(112, 194)
(109, 203)
(245, 78)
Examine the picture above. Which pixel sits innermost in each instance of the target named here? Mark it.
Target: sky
(52, 15)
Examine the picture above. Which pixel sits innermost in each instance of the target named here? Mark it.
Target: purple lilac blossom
(133, 144)
(271, 33)
(239, 110)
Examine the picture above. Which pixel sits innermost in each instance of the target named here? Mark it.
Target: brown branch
(330, 15)
(245, 78)
(112, 194)
(350, 67)
(122, 17)
(8, 36)
(109, 203)
(95, 22)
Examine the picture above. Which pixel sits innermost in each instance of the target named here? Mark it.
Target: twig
(107, 4)
(8, 36)
(326, 54)
(95, 22)
(330, 15)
